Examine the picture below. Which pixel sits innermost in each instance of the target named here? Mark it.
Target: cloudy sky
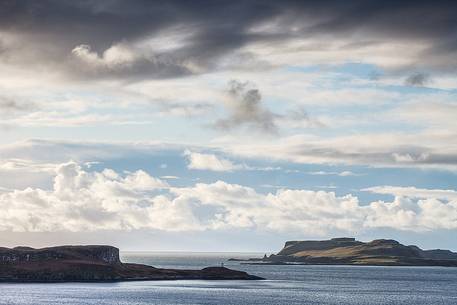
(225, 125)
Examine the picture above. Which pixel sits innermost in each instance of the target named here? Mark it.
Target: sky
(227, 125)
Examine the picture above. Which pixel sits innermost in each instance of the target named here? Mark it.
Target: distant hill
(92, 264)
(349, 251)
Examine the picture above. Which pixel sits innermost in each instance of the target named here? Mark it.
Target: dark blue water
(286, 285)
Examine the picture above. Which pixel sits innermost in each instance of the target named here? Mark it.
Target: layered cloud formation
(160, 40)
(362, 82)
(247, 111)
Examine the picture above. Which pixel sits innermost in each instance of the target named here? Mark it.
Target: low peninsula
(349, 251)
(93, 264)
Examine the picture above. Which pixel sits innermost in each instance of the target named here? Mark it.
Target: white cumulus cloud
(115, 56)
(81, 200)
(201, 161)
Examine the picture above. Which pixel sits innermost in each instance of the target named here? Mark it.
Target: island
(94, 264)
(349, 251)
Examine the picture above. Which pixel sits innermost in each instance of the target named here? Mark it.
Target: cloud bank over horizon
(80, 200)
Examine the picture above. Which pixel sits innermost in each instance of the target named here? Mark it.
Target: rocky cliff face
(92, 264)
(104, 254)
(352, 252)
(292, 247)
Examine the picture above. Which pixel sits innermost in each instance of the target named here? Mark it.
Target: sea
(284, 284)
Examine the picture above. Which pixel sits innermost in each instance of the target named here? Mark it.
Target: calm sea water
(286, 285)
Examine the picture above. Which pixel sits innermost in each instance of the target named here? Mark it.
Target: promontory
(93, 264)
(349, 251)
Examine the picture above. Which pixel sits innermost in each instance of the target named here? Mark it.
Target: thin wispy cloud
(341, 174)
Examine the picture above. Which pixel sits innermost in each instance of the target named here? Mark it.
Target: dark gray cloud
(245, 108)
(417, 79)
(47, 31)
(53, 29)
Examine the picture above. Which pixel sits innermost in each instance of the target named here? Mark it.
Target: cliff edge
(349, 251)
(93, 264)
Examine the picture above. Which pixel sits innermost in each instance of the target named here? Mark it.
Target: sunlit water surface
(284, 285)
